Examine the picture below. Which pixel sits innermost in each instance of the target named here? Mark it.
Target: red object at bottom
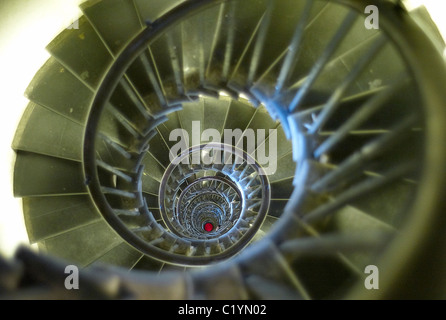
(208, 227)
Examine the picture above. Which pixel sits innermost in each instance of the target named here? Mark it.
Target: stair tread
(277, 207)
(320, 33)
(84, 245)
(119, 131)
(149, 184)
(150, 11)
(167, 58)
(197, 39)
(57, 89)
(160, 150)
(91, 59)
(267, 224)
(351, 219)
(282, 189)
(123, 256)
(45, 132)
(219, 283)
(386, 203)
(265, 289)
(147, 263)
(262, 121)
(278, 34)
(191, 117)
(340, 67)
(116, 21)
(151, 200)
(286, 167)
(168, 127)
(267, 262)
(152, 167)
(237, 118)
(46, 217)
(274, 147)
(237, 24)
(320, 275)
(215, 113)
(39, 175)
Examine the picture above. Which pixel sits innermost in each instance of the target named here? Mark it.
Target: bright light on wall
(25, 30)
(436, 8)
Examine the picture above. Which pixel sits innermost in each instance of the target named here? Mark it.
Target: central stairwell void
(111, 171)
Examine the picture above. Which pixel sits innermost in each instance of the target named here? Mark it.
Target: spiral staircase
(349, 120)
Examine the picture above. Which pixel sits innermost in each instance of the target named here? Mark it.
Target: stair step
(333, 243)
(390, 150)
(349, 194)
(91, 59)
(167, 127)
(45, 132)
(261, 120)
(323, 274)
(116, 21)
(149, 184)
(267, 224)
(191, 117)
(152, 167)
(285, 169)
(151, 11)
(351, 144)
(237, 118)
(236, 26)
(151, 200)
(265, 289)
(320, 32)
(382, 71)
(375, 110)
(286, 61)
(39, 175)
(46, 217)
(129, 104)
(84, 245)
(197, 39)
(215, 112)
(115, 155)
(57, 89)
(160, 150)
(282, 189)
(117, 129)
(351, 74)
(277, 207)
(350, 219)
(274, 147)
(123, 256)
(167, 58)
(266, 261)
(386, 203)
(219, 283)
(147, 263)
